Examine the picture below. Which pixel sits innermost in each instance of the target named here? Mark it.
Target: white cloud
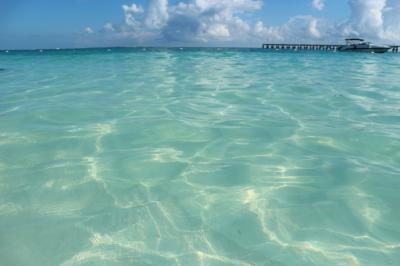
(132, 9)
(297, 29)
(318, 4)
(233, 21)
(392, 23)
(229, 6)
(268, 33)
(218, 31)
(367, 15)
(89, 30)
(130, 13)
(109, 27)
(210, 20)
(157, 14)
(374, 19)
(312, 28)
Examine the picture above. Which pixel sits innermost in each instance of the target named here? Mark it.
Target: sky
(27, 24)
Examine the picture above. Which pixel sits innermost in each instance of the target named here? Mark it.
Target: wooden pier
(312, 47)
(298, 47)
(394, 49)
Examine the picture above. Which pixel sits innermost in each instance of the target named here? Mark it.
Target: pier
(394, 49)
(313, 47)
(298, 47)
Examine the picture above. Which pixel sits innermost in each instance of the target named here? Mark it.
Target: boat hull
(377, 50)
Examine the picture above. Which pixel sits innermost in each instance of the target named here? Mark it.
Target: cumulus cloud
(109, 27)
(367, 15)
(374, 19)
(229, 6)
(132, 8)
(210, 20)
(318, 4)
(392, 23)
(157, 14)
(89, 30)
(297, 29)
(130, 14)
(216, 21)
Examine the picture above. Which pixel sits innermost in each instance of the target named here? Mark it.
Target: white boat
(359, 45)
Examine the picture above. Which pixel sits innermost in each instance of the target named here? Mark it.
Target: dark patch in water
(2, 69)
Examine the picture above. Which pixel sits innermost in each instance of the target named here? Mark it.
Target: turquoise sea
(199, 157)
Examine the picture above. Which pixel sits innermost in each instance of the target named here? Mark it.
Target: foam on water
(199, 157)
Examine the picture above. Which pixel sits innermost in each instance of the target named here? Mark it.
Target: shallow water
(199, 157)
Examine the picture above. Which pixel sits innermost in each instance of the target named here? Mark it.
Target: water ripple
(199, 157)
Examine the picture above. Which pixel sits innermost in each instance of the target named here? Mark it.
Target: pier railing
(312, 47)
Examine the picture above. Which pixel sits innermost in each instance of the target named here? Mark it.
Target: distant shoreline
(132, 47)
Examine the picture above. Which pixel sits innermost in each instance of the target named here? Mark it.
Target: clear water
(199, 157)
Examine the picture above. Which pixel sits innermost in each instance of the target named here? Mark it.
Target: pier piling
(312, 47)
(395, 49)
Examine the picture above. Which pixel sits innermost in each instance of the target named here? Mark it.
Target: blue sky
(83, 23)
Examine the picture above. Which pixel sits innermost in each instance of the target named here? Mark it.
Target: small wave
(10, 110)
